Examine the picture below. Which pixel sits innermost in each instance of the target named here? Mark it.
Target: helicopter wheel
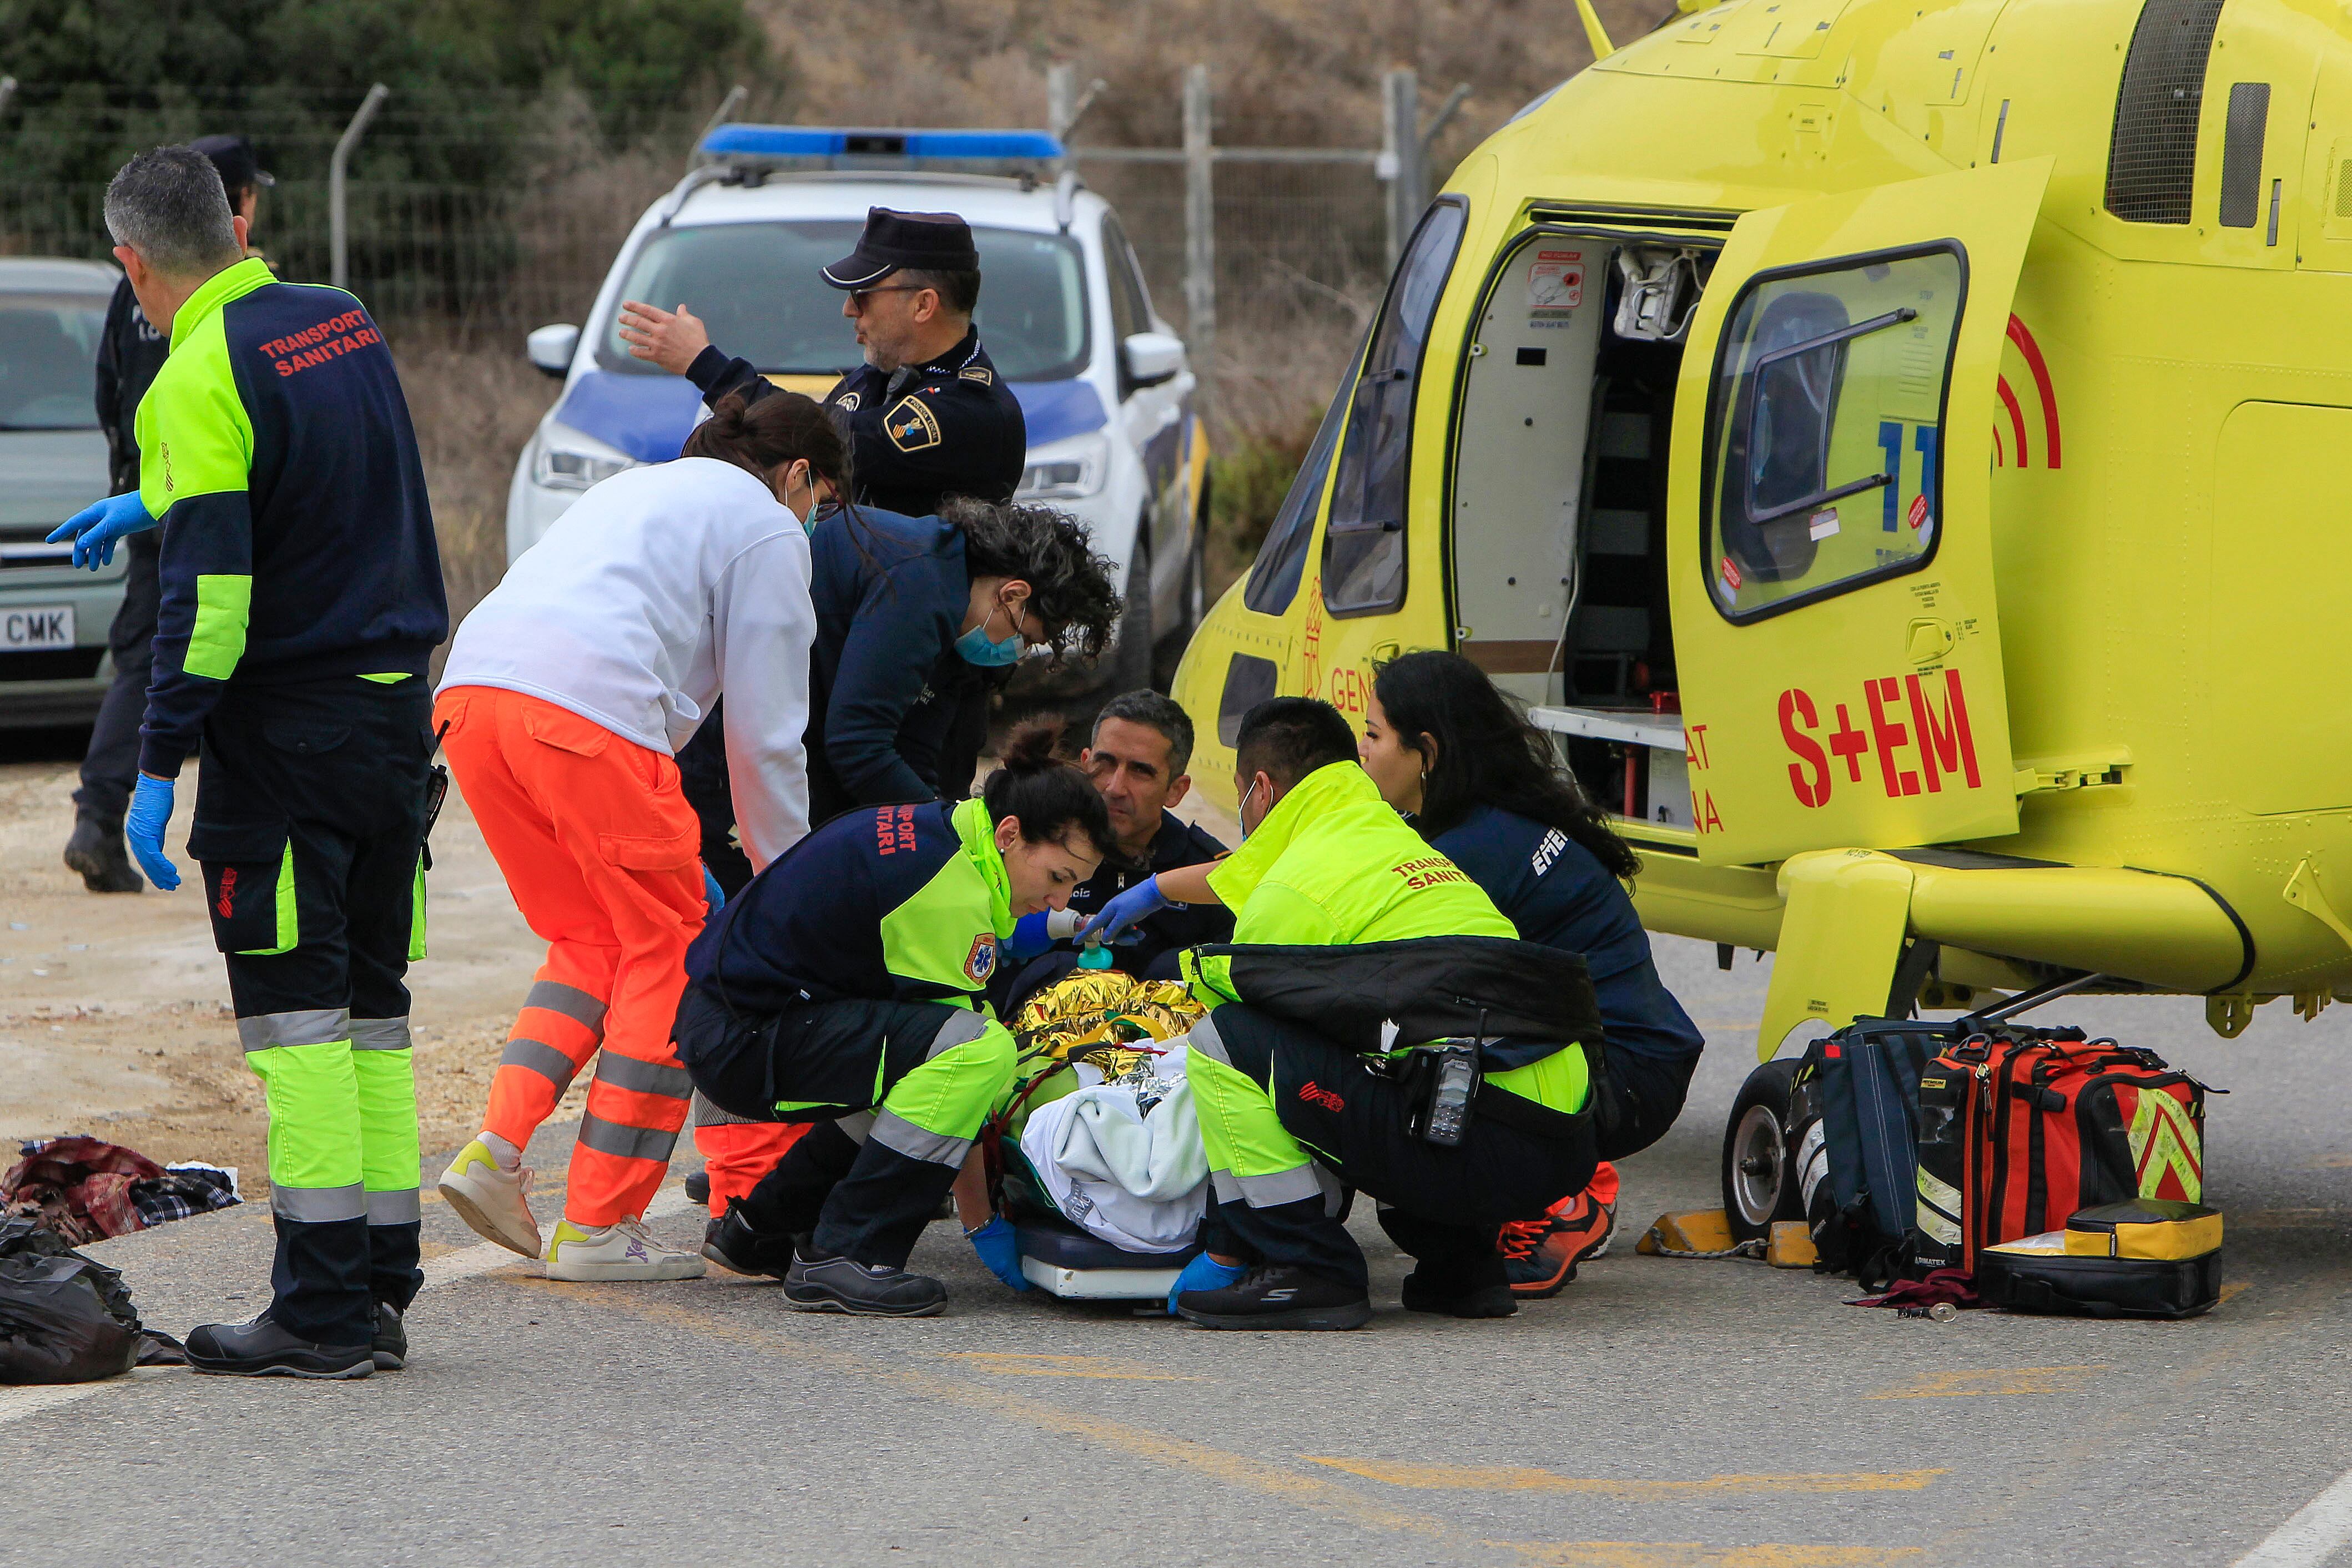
(1759, 1176)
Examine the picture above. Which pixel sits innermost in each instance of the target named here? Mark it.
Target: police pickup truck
(1104, 385)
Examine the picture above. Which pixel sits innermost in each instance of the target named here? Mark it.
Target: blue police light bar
(793, 141)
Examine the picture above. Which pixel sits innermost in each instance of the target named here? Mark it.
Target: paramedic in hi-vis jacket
(1292, 1116)
(301, 596)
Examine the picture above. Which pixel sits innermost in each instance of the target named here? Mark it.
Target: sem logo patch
(911, 426)
(1316, 1094)
(848, 402)
(981, 962)
(227, 900)
(979, 373)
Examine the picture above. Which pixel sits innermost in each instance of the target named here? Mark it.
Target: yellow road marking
(1993, 1380)
(2234, 1287)
(1309, 1491)
(1505, 1477)
(1693, 1554)
(1004, 1363)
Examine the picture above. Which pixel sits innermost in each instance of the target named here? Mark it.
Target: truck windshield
(48, 354)
(757, 285)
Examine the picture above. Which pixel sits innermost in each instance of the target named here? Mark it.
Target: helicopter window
(1282, 560)
(1364, 543)
(1825, 423)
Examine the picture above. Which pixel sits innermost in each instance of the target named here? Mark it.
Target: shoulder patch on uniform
(979, 373)
(848, 402)
(911, 426)
(981, 962)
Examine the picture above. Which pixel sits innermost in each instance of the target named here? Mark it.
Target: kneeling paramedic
(1346, 921)
(843, 987)
(301, 597)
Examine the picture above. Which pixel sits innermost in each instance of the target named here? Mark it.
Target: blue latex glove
(94, 530)
(142, 826)
(1204, 1273)
(712, 894)
(1030, 939)
(998, 1248)
(1137, 904)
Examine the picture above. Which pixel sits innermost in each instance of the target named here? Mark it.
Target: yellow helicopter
(1892, 445)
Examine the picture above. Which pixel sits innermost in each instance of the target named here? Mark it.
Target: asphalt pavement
(1657, 1413)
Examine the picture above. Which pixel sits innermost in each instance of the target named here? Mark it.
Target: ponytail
(782, 427)
(1049, 797)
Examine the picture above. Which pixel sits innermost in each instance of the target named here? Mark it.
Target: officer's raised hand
(95, 528)
(669, 339)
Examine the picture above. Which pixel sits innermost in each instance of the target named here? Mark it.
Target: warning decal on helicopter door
(1556, 280)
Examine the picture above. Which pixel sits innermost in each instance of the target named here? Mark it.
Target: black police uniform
(130, 352)
(918, 435)
(1164, 935)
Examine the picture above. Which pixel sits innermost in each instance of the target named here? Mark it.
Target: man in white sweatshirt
(567, 693)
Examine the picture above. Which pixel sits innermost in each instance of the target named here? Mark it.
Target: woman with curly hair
(1486, 788)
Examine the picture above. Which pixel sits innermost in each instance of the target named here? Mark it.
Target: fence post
(1200, 229)
(1404, 161)
(339, 217)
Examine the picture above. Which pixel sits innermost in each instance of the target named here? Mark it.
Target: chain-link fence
(530, 206)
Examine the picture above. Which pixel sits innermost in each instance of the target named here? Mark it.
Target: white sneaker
(622, 1250)
(493, 1200)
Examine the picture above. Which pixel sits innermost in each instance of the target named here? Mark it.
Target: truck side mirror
(549, 349)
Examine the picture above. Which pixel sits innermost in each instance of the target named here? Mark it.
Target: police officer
(300, 599)
(130, 351)
(1142, 742)
(927, 418)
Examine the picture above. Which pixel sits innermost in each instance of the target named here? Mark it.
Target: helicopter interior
(1560, 502)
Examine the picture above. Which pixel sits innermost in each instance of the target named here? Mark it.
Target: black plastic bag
(64, 1318)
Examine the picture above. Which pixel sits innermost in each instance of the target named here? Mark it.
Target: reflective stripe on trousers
(1253, 1159)
(933, 1112)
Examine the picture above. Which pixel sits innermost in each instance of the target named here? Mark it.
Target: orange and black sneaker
(1540, 1255)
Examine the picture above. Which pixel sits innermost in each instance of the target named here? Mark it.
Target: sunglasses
(858, 297)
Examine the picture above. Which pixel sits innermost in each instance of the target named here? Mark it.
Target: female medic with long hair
(1486, 788)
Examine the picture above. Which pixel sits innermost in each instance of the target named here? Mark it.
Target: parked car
(1105, 386)
(54, 667)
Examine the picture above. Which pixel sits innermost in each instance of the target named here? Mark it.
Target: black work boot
(821, 1282)
(698, 1187)
(731, 1242)
(1278, 1296)
(96, 850)
(262, 1349)
(390, 1348)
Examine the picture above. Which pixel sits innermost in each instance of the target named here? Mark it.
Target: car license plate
(38, 626)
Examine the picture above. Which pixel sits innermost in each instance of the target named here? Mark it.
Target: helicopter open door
(1831, 575)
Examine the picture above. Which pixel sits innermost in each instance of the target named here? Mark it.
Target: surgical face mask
(1243, 811)
(976, 647)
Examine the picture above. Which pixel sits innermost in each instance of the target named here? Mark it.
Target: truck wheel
(1759, 1176)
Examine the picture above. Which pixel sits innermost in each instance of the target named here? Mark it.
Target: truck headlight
(569, 460)
(1066, 470)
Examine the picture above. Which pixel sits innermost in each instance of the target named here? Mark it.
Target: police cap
(931, 242)
(234, 157)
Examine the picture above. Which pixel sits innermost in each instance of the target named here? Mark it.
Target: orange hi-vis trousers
(600, 850)
(737, 1153)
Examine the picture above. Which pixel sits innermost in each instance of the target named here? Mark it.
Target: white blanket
(1136, 1180)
